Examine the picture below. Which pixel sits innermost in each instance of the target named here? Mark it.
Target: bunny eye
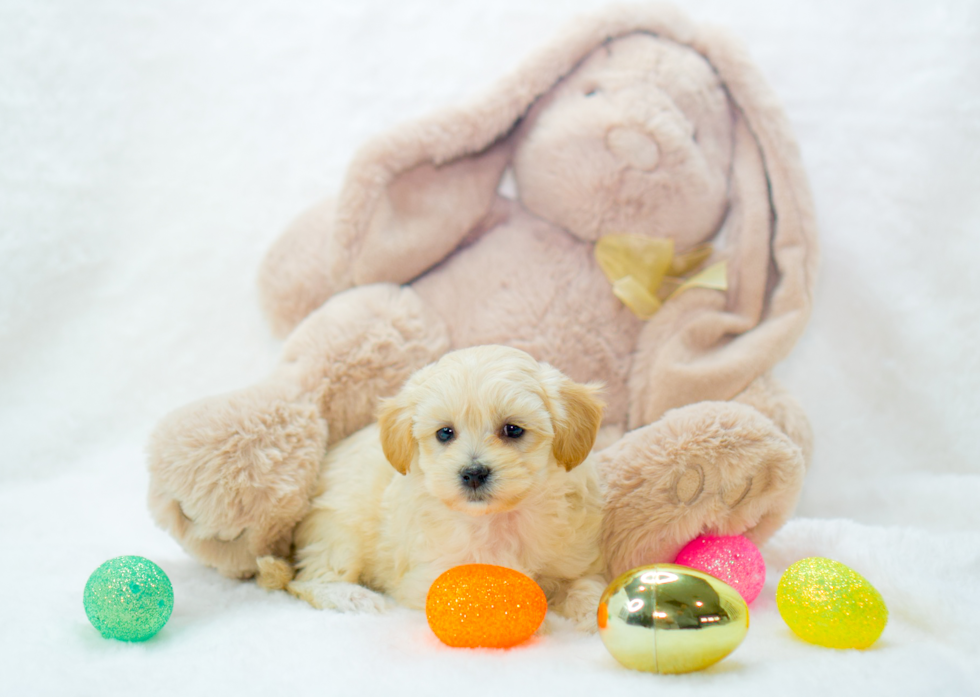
(445, 434)
(512, 431)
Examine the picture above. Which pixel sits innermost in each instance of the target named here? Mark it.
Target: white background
(150, 152)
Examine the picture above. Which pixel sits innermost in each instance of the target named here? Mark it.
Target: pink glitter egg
(733, 559)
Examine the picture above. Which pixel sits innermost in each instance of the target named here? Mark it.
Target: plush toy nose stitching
(634, 147)
(474, 476)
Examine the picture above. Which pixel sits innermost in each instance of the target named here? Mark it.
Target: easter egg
(128, 598)
(827, 603)
(667, 618)
(731, 558)
(484, 605)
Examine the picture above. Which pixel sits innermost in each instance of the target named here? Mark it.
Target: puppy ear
(576, 423)
(395, 421)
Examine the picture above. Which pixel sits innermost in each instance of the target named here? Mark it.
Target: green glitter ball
(128, 598)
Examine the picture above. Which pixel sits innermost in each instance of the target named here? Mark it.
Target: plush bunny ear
(412, 194)
(706, 345)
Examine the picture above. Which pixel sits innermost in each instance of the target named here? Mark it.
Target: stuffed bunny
(478, 226)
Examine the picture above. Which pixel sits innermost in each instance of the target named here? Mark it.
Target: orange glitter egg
(484, 605)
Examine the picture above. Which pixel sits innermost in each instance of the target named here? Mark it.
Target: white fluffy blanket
(149, 154)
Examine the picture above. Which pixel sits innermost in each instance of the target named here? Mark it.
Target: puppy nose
(475, 475)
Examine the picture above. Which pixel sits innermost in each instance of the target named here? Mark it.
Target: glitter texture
(733, 559)
(128, 598)
(827, 603)
(484, 605)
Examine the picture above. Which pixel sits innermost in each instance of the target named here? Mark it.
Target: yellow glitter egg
(667, 618)
(484, 605)
(829, 604)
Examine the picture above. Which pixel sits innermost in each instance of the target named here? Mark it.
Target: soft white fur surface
(150, 153)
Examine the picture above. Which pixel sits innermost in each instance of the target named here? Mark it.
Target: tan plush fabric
(631, 121)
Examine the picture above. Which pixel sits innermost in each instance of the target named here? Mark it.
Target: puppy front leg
(580, 602)
(413, 588)
(342, 596)
(326, 589)
(329, 569)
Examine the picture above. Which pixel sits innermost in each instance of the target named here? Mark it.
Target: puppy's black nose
(475, 475)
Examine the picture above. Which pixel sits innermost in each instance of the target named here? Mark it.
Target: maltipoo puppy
(481, 458)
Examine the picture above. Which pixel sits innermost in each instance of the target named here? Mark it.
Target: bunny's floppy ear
(706, 345)
(411, 195)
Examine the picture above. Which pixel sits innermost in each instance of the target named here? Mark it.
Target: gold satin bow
(645, 273)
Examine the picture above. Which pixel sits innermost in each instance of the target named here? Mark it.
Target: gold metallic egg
(667, 618)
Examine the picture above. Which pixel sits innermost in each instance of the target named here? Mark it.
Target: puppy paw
(581, 603)
(274, 573)
(339, 596)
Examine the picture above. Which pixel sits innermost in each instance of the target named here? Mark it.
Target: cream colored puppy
(479, 459)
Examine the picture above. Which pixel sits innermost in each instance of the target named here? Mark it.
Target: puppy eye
(445, 434)
(512, 431)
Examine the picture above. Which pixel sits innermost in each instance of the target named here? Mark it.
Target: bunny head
(633, 121)
(637, 139)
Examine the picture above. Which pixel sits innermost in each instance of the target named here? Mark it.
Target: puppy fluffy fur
(481, 458)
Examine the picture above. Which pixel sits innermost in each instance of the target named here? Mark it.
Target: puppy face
(486, 425)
